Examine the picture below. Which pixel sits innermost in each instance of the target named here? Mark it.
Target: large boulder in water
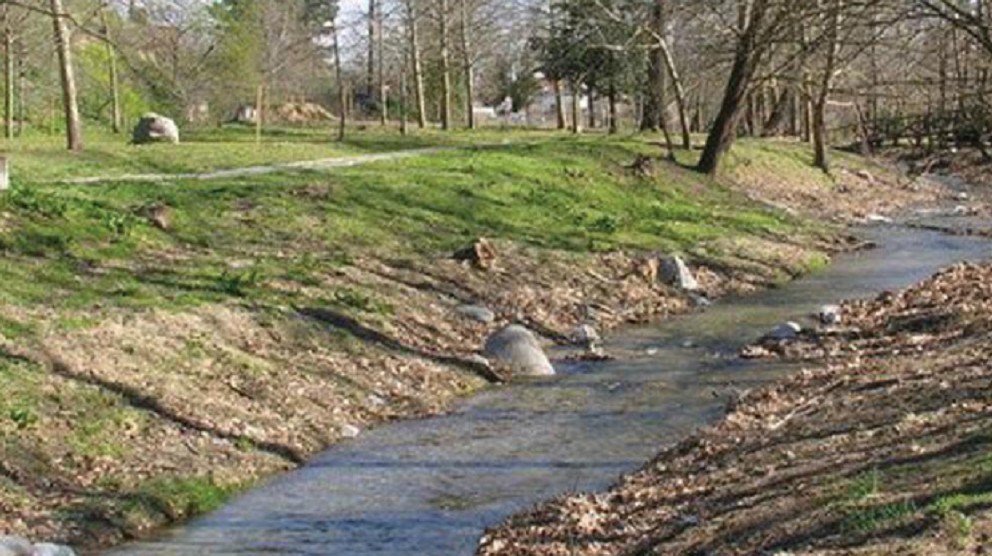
(154, 128)
(517, 348)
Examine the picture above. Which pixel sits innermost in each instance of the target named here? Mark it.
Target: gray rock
(786, 331)
(829, 315)
(15, 546)
(48, 549)
(961, 196)
(477, 313)
(676, 273)
(350, 431)
(865, 175)
(516, 347)
(586, 335)
(700, 300)
(154, 128)
(877, 219)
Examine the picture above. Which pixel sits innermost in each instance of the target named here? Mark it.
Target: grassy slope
(73, 252)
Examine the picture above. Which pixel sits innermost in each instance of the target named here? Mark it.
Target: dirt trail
(249, 171)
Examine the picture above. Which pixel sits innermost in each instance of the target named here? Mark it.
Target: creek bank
(880, 448)
(126, 419)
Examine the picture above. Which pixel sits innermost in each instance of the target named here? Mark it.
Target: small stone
(48, 549)
(350, 431)
(477, 313)
(961, 196)
(829, 315)
(651, 351)
(699, 300)
(676, 273)
(587, 336)
(785, 331)
(481, 254)
(518, 348)
(160, 216)
(877, 219)
(865, 175)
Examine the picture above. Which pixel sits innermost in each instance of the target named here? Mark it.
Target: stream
(430, 487)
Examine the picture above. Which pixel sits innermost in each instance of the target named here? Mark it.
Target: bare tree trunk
(73, 125)
(614, 125)
(22, 78)
(576, 107)
(680, 101)
(8, 58)
(746, 58)
(418, 72)
(383, 90)
(115, 92)
(404, 125)
(370, 67)
(467, 64)
(342, 93)
(654, 93)
(820, 156)
(445, 66)
(559, 105)
(592, 108)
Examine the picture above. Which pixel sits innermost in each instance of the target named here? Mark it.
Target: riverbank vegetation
(165, 343)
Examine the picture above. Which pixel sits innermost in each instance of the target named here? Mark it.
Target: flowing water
(430, 487)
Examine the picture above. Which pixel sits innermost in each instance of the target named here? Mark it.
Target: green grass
(42, 158)
(85, 246)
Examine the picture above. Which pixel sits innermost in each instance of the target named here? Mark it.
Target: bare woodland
(864, 73)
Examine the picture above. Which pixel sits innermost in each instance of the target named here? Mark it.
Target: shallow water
(430, 487)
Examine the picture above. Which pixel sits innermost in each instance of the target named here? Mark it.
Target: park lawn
(92, 244)
(39, 158)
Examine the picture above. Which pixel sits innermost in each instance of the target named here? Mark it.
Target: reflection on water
(432, 486)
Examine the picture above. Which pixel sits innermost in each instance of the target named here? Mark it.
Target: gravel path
(322, 164)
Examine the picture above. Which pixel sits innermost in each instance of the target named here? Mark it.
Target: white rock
(676, 273)
(154, 128)
(15, 546)
(516, 347)
(961, 210)
(350, 431)
(829, 314)
(786, 331)
(878, 219)
(48, 549)
(961, 196)
(477, 313)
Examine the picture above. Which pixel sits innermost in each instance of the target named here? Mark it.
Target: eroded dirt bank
(119, 420)
(880, 447)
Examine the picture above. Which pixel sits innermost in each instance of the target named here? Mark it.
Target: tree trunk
(576, 107)
(592, 108)
(115, 92)
(370, 68)
(22, 78)
(820, 155)
(342, 93)
(559, 105)
(445, 66)
(8, 74)
(404, 125)
(654, 90)
(680, 100)
(418, 72)
(746, 59)
(73, 125)
(383, 89)
(467, 64)
(614, 125)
